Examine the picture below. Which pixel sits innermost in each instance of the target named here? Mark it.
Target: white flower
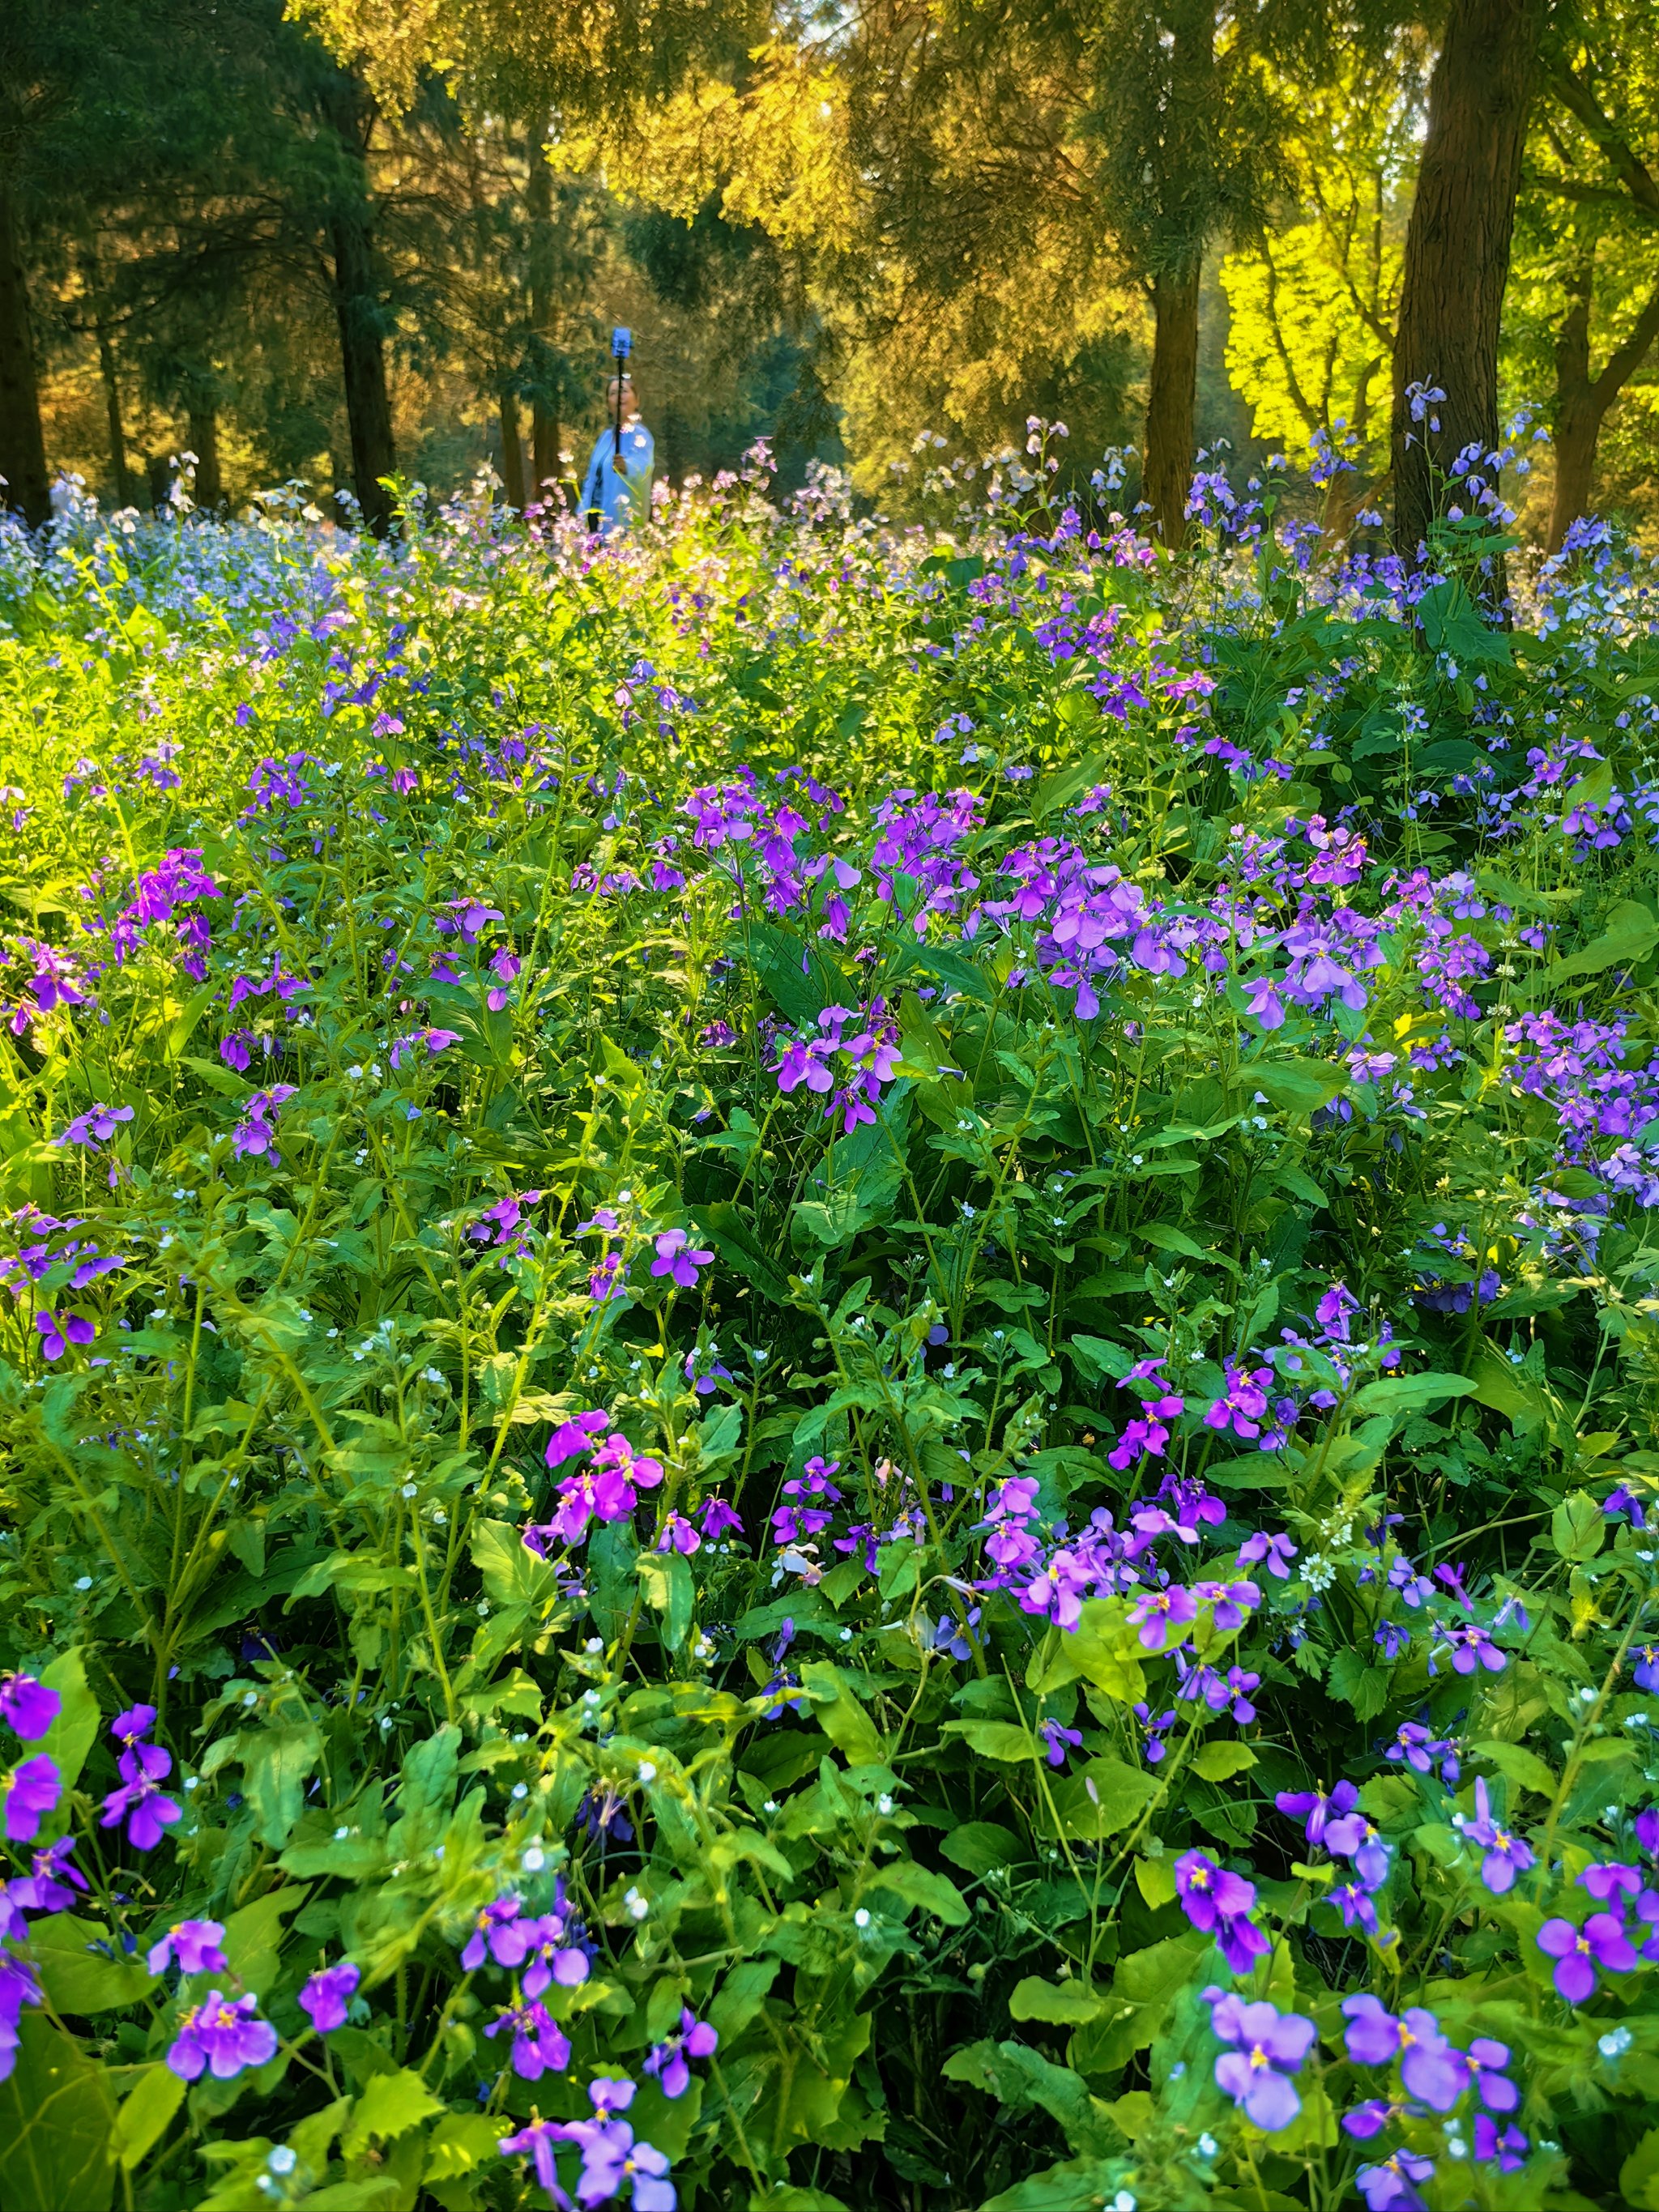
(860, 1918)
(647, 1771)
(637, 1906)
(534, 1859)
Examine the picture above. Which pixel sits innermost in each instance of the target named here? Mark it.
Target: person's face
(627, 406)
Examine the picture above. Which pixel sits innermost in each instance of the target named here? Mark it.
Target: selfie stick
(622, 344)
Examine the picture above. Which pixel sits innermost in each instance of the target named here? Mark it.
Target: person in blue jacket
(617, 489)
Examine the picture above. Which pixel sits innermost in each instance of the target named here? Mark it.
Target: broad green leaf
(920, 1886)
(1103, 1797)
(1521, 1765)
(839, 1715)
(666, 1578)
(1060, 2004)
(276, 1763)
(389, 2106)
(1578, 1527)
(145, 2113)
(57, 2113)
(982, 1846)
(75, 1731)
(995, 1738)
(77, 1979)
(1220, 1762)
(1408, 1393)
(1143, 1987)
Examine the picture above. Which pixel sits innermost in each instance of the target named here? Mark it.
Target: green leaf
(1521, 1765)
(1407, 1394)
(78, 1980)
(1103, 1797)
(75, 1731)
(839, 1715)
(919, 1886)
(982, 1846)
(994, 1739)
(1578, 1527)
(253, 1935)
(1300, 1087)
(1060, 2004)
(390, 2105)
(1220, 1762)
(146, 2111)
(1639, 2177)
(275, 1767)
(56, 2114)
(512, 1573)
(666, 1578)
(1143, 1987)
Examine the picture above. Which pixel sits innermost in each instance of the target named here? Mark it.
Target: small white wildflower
(638, 1907)
(534, 1859)
(647, 1771)
(860, 1918)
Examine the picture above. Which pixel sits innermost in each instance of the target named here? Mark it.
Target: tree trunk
(512, 452)
(117, 435)
(359, 310)
(22, 447)
(1457, 250)
(204, 433)
(543, 419)
(1167, 471)
(1582, 401)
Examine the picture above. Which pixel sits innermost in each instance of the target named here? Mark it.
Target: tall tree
(1457, 250)
(1590, 231)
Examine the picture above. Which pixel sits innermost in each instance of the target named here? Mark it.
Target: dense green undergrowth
(856, 1333)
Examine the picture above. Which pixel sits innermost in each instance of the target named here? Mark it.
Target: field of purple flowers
(831, 1380)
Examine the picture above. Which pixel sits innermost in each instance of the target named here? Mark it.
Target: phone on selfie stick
(622, 344)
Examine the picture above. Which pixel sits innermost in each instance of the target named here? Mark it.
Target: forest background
(361, 237)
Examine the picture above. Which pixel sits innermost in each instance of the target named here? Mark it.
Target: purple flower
(18, 1987)
(1160, 1611)
(573, 1437)
(146, 1811)
(496, 1935)
(1389, 2187)
(1054, 1735)
(538, 2139)
(327, 1993)
(717, 1517)
(30, 1791)
(1269, 2047)
(676, 1261)
(1508, 2150)
(95, 1127)
(1486, 2061)
(223, 2034)
(1353, 1837)
(1275, 1552)
(130, 1728)
(1647, 1829)
(1218, 1902)
(1577, 1951)
(1608, 1882)
(611, 2157)
(539, 2043)
(693, 2038)
(28, 1706)
(51, 1881)
(1318, 1809)
(1430, 2069)
(60, 1331)
(194, 1944)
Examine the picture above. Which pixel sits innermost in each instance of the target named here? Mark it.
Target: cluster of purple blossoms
(143, 1767)
(223, 2036)
(501, 1225)
(53, 981)
(31, 1790)
(327, 1995)
(1266, 2047)
(668, 2060)
(1219, 1902)
(1435, 2074)
(549, 1945)
(1602, 1944)
(606, 1489)
(58, 1331)
(93, 1128)
(429, 1040)
(190, 1945)
(866, 1045)
(1503, 1855)
(1334, 1822)
(612, 2157)
(255, 1134)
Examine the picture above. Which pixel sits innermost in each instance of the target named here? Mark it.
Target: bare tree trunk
(23, 445)
(360, 311)
(203, 429)
(1457, 249)
(1167, 471)
(538, 199)
(512, 452)
(117, 434)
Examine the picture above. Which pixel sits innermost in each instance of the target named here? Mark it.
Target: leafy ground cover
(830, 1372)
